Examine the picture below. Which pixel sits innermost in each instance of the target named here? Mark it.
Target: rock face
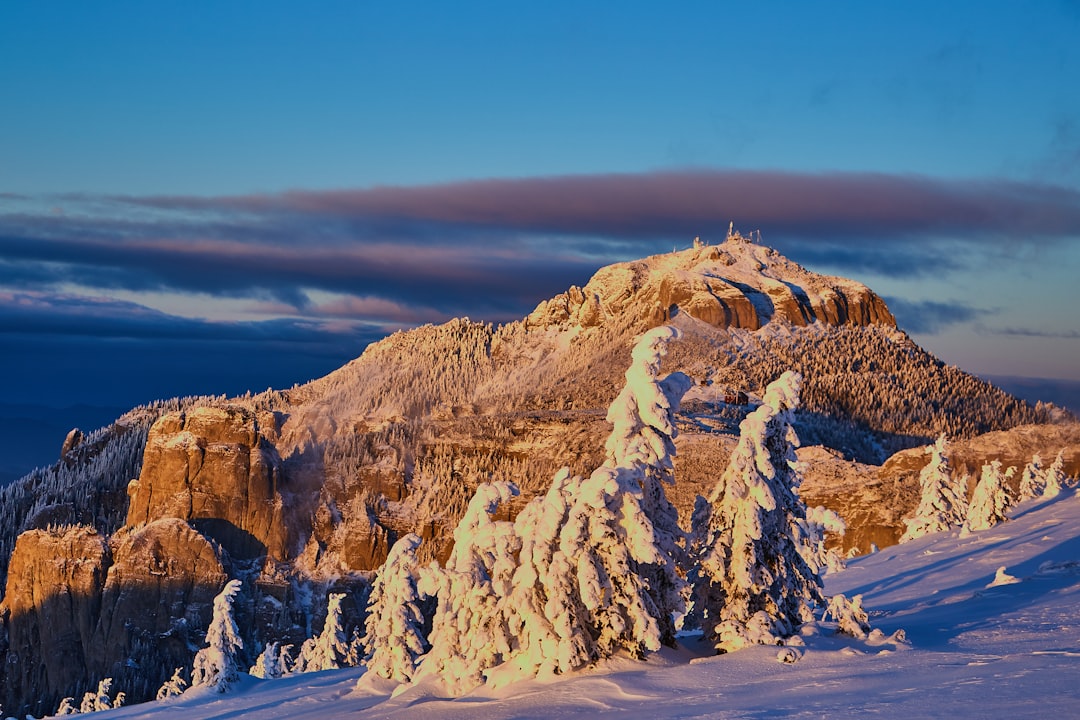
(78, 607)
(738, 284)
(212, 467)
(51, 609)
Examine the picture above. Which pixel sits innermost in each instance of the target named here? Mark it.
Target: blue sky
(212, 197)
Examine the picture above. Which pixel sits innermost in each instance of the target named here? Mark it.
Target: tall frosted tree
(1032, 479)
(328, 650)
(1055, 476)
(990, 500)
(642, 441)
(470, 631)
(546, 615)
(751, 584)
(215, 665)
(394, 639)
(942, 502)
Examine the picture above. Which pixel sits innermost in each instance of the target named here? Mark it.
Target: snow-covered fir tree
(551, 625)
(751, 584)
(97, 700)
(990, 500)
(268, 664)
(470, 632)
(643, 440)
(67, 707)
(1054, 478)
(329, 649)
(609, 537)
(942, 502)
(1032, 479)
(173, 687)
(394, 638)
(820, 522)
(850, 617)
(215, 665)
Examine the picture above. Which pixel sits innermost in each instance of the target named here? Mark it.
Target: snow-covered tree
(1055, 476)
(818, 523)
(642, 440)
(268, 664)
(850, 617)
(751, 584)
(394, 639)
(67, 707)
(329, 649)
(1032, 480)
(942, 502)
(470, 632)
(545, 613)
(96, 700)
(215, 665)
(173, 687)
(990, 500)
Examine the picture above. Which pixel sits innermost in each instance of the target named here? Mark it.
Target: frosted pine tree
(215, 665)
(819, 522)
(328, 650)
(609, 537)
(394, 639)
(268, 664)
(67, 707)
(1032, 480)
(850, 617)
(751, 584)
(173, 687)
(942, 503)
(544, 610)
(1055, 476)
(470, 631)
(643, 441)
(990, 501)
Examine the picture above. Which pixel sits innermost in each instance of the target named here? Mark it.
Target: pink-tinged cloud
(677, 203)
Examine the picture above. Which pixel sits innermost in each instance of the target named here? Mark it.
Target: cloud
(928, 317)
(1032, 332)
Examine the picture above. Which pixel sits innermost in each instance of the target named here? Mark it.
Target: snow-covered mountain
(301, 492)
(978, 641)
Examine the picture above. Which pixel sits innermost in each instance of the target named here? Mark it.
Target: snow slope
(1011, 650)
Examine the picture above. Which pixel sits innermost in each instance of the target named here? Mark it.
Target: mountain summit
(738, 284)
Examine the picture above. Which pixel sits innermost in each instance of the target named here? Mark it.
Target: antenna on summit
(731, 230)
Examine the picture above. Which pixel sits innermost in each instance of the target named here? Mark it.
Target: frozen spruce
(751, 584)
(173, 687)
(1032, 480)
(642, 441)
(819, 523)
(268, 665)
(1055, 476)
(850, 617)
(942, 501)
(67, 707)
(470, 631)
(544, 610)
(990, 501)
(394, 639)
(328, 650)
(215, 665)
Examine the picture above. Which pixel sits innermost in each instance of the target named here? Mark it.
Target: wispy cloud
(928, 317)
(1031, 332)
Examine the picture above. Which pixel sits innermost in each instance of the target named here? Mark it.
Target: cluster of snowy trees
(599, 565)
(944, 505)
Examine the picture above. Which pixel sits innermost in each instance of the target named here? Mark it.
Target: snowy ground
(973, 651)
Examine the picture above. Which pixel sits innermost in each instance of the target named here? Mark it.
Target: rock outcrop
(212, 467)
(738, 284)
